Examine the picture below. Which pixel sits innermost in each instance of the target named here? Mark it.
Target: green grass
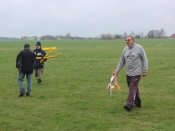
(73, 95)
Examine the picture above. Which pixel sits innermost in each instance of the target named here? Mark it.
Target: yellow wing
(117, 87)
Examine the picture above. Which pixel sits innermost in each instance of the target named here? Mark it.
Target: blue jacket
(39, 53)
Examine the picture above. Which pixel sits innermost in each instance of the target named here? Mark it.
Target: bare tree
(109, 36)
(150, 34)
(68, 36)
(156, 33)
(162, 32)
(138, 36)
(103, 36)
(23, 37)
(132, 33)
(124, 34)
(48, 37)
(117, 36)
(141, 35)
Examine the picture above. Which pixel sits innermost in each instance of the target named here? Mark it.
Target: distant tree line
(151, 34)
(156, 33)
(57, 37)
(9, 38)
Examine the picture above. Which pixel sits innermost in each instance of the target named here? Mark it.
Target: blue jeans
(29, 82)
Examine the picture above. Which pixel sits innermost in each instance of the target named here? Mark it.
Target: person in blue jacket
(39, 67)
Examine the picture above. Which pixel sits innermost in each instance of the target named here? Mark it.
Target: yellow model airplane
(48, 49)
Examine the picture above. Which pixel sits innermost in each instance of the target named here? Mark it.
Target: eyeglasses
(127, 40)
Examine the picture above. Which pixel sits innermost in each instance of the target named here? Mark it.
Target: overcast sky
(85, 18)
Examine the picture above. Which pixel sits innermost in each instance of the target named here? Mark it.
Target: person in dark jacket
(39, 67)
(25, 63)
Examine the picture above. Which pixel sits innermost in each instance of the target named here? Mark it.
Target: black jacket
(25, 61)
(39, 53)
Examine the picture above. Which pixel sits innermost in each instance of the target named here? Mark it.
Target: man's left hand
(144, 74)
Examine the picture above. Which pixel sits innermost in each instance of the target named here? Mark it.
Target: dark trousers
(133, 96)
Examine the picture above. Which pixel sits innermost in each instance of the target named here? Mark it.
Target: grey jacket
(135, 59)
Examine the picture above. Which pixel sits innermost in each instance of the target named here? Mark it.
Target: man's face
(38, 46)
(129, 41)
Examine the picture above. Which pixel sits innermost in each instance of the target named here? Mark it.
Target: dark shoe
(136, 105)
(21, 94)
(27, 94)
(127, 107)
(39, 81)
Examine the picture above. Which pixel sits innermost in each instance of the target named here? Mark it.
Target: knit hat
(38, 43)
(26, 46)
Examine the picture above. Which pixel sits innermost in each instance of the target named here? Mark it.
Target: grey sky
(85, 18)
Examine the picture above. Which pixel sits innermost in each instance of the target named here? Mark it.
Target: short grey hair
(132, 37)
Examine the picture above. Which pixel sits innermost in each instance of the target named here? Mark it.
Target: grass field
(73, 95)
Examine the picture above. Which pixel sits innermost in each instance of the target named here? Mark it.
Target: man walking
(25, 63)
(39, 67)
(135, 58)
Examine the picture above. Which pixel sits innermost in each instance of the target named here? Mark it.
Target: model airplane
(48, 49)
(110, 86)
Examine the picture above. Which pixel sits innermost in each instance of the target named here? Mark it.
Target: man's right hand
(115, 73)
